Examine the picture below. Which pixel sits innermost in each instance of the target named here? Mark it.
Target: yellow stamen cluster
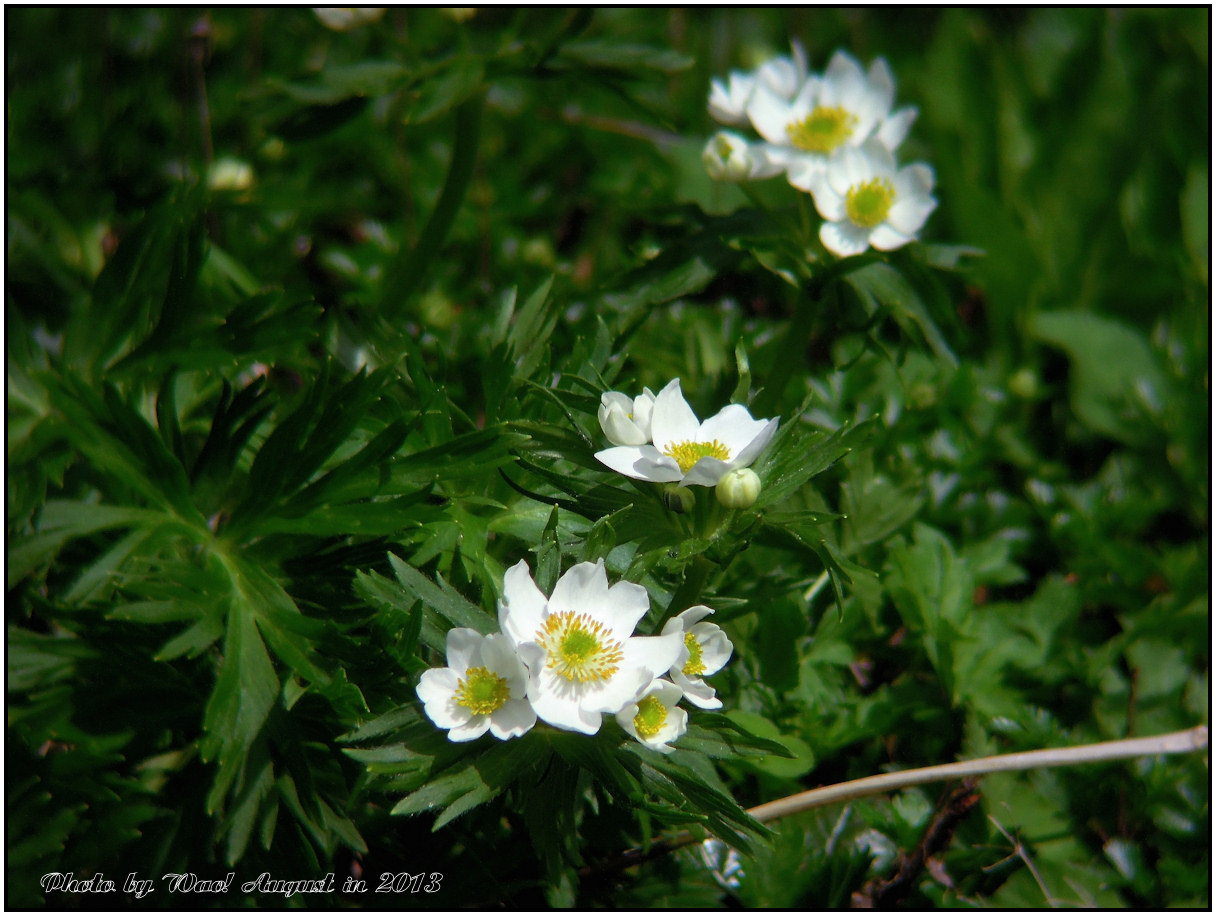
(579, 648)
(651, 716)
(822, 130)
(688, 453)
(695, 666)
(482, 691)
(868, 203)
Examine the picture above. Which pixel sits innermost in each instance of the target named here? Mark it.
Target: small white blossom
(709, 649)
(729, 157)
(687, 451)
(866, 201)
(653, 718)
(582, 657)
(484, 688)
(782, 76)
(626, 420)
(844, 107)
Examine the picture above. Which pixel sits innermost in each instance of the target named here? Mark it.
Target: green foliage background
(268, 440)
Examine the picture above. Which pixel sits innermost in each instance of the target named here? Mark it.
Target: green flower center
(822, 130)
(579, 648)
(482, 691)
(651, 716)
(695, 666)
(689, 453)
(868, 203)
(722, 148)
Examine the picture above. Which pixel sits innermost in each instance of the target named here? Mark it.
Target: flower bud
(738, 489)
(678, 499)
(727, 157)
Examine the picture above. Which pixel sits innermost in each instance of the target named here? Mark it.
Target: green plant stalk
(689, 592)
(411, 271)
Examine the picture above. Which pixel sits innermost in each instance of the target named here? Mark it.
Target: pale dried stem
(1183, 742)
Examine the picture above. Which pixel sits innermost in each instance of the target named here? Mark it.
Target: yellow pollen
(651, 716)
(688, 453)
(868, 203)
(822, 130)
(579, 648)
(695, 666)
(482, 691)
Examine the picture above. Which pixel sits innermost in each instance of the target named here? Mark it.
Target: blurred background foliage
(233, 392)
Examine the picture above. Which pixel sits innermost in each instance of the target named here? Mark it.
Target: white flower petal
(462, 649)
(643, 405)
(805, 171)
(706, 472)
(687, 618)
(915, 180)
(521, 610)
(716, 647)
(894, 127)
(844, 82)
(436, 687)
(752, 450)
(616, 420)
(498, 654)
(581, 588)
(612, 695)
(884, 238)
(908, 214)
(558, 702)
(770, 114)
(471, 730)
(844, 238)
(513, 719)
(881, 87)
(733, 426)
(672, 419)
(641, 462)
(695, 690)
(828, 201)
(627, 604)
(654, 654)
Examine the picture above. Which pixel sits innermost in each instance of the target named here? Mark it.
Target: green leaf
(881, 285)
(1116, 379)
(441, 598)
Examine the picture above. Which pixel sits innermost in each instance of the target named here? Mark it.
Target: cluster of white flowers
(833, 135)
(659, 438)
(572, 658)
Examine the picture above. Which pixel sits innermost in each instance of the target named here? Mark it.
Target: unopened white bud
(727, 157)
(738, 489)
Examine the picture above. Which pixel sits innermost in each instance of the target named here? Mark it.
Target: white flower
(783, 76)
(653, 718)
(866, 201)
(844, 107)
(583, 659)
(626, 420)
(687, 451)
(729, 157)
(484, 688)
(708, 650)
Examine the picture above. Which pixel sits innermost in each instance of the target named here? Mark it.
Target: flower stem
(689, 592)
(409, 273)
